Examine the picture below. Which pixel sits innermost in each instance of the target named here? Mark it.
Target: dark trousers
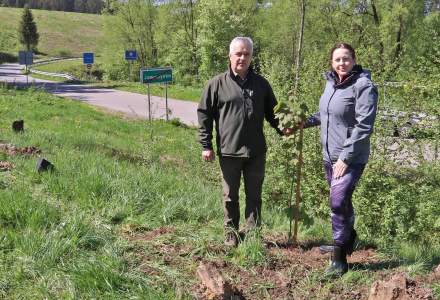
(342, 213)
(253, 175)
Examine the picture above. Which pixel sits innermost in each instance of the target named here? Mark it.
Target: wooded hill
(83, 6)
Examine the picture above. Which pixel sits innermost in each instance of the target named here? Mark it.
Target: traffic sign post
(157, 75)
(130, 56)
(88, 60)
(26, 58)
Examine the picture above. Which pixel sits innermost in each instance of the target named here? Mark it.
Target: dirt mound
(399, 287)
(12, 150)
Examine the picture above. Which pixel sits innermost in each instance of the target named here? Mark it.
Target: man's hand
(288, 131)
(208, 155)
(339, 169)
(294, 129)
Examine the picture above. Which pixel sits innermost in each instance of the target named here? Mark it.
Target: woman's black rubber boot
(349, 247)
(338, 264)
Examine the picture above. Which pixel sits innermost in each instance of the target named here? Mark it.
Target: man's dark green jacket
(238, 109)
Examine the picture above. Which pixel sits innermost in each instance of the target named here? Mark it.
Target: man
(238, 101)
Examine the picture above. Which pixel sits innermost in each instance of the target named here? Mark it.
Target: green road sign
(156, 75)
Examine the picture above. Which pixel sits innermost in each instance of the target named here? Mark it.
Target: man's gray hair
(243, 39)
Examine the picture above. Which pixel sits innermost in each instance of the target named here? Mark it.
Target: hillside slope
(61, 33)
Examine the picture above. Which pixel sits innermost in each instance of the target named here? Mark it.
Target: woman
(347, 110)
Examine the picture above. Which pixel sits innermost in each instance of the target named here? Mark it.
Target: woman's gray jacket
(346, 114)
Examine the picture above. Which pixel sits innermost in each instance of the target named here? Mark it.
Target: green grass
(73, 67)
(61, 33)
(131, 210)
(47, 77)
(61, 66)
(251, 251)
(59, 230)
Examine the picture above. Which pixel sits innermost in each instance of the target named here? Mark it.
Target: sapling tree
(292, 114)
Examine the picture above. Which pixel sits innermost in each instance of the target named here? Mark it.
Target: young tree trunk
(298, 184)
(377, 23)
(299, 145)
(399, 40)
(299, 48)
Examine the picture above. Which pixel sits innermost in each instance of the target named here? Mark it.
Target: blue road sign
(25, 58)
(130, 54)
(88, 58)
(156, 75)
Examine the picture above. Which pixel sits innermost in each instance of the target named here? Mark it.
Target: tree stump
(218, 287)
(44, 165)
(18, 126)
(393, 289)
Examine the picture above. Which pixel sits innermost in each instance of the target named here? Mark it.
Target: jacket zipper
(328, 124)
(244, 113)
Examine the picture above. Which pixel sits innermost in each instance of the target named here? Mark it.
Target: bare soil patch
(6, 166)
(12, 150)
(287, 273)
(136, 233)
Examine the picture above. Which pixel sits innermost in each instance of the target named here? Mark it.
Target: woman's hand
(339, 169)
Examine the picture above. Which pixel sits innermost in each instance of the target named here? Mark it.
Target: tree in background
(219, 22)
(177, 39)
(85, 6)
(391, 38)
(27, 30)
(132, 27)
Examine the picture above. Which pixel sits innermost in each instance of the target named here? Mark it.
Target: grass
(251, 251)
(61, 66)
(61, 33)
(47, 77)
(130, 211)
(58, 230)
(73, 67)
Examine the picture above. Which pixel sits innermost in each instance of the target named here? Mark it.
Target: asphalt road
(128, 103)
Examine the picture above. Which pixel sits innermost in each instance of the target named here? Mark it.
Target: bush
(63, 53)
(398, 204)
(7, 58)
